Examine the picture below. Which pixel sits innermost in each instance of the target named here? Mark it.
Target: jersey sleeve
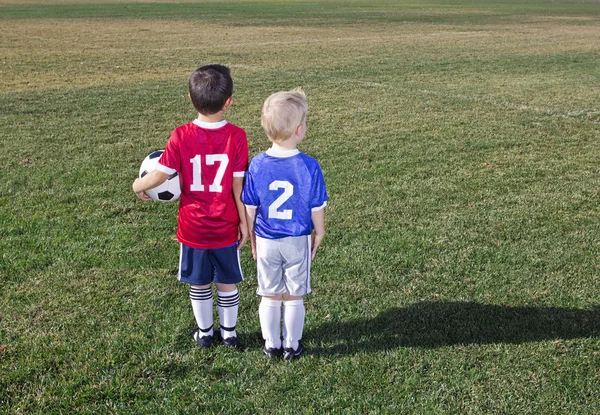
(240, 164)
(319, 196)
(249, 197)
(170, 161)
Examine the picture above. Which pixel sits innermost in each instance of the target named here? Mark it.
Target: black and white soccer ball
(170, 190)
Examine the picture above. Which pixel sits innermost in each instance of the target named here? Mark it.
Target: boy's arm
(238, 185)
(318, 220)
(149, 181)
(251, 216)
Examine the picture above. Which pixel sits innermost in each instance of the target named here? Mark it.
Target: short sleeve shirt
(207, 157)
(285, 187)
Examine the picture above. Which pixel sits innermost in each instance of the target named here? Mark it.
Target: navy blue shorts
(205, 266)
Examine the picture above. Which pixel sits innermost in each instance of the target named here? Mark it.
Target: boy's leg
(271, 288)
(297, 278)
(195, 269)
(202, 306)
(228, 301)
(293, 321)
(269, 312)
(228, 272)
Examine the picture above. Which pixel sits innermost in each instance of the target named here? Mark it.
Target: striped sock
(202, 305)
(228, 304)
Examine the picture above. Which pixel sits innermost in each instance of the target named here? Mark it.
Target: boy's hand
(141, 195)
(316, 241)
(242, 235)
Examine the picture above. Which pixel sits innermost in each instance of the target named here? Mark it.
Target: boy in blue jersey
(285, 197)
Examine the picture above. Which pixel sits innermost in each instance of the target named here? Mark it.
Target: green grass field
(460, 142)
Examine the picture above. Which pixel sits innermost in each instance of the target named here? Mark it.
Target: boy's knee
(226, 287)
(200, 287)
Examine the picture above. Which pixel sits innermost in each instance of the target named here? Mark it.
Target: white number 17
(211, 159)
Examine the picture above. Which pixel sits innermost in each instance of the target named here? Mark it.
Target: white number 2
(211, 159)
(288, 191)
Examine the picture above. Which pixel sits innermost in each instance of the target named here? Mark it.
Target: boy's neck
(216, 117)
(286, 145)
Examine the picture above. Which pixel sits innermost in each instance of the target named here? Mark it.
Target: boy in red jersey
(211, 157)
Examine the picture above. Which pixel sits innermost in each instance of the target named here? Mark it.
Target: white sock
(228, 304)
(293, 322)
(202, 305)
(269, 313)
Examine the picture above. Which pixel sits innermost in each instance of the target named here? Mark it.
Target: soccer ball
(169, 191)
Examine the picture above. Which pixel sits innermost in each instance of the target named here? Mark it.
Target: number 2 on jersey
(288, 191)
(211, 159)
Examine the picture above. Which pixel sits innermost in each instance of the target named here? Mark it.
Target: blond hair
(282, 113)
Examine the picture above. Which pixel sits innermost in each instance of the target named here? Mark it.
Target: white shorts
(283, 266)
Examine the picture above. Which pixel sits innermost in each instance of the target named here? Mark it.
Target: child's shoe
(232, 342)
(291, 354)
(204, 341)
(272, 352)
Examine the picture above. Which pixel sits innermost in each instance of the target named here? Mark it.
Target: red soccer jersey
(207, 157)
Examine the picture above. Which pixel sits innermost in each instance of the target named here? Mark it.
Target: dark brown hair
(210, 87)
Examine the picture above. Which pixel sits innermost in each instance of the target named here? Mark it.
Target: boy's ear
(228, 103)
(299, 129)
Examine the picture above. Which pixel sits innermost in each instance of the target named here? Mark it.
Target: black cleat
(291, 354)
(272, 352)
(205, 342)
(233, 343)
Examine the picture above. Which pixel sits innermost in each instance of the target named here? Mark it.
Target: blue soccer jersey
(285, 187)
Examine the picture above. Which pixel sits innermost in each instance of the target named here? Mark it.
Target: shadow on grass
(438, 324)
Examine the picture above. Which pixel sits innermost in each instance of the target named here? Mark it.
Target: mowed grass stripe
(315, 13)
